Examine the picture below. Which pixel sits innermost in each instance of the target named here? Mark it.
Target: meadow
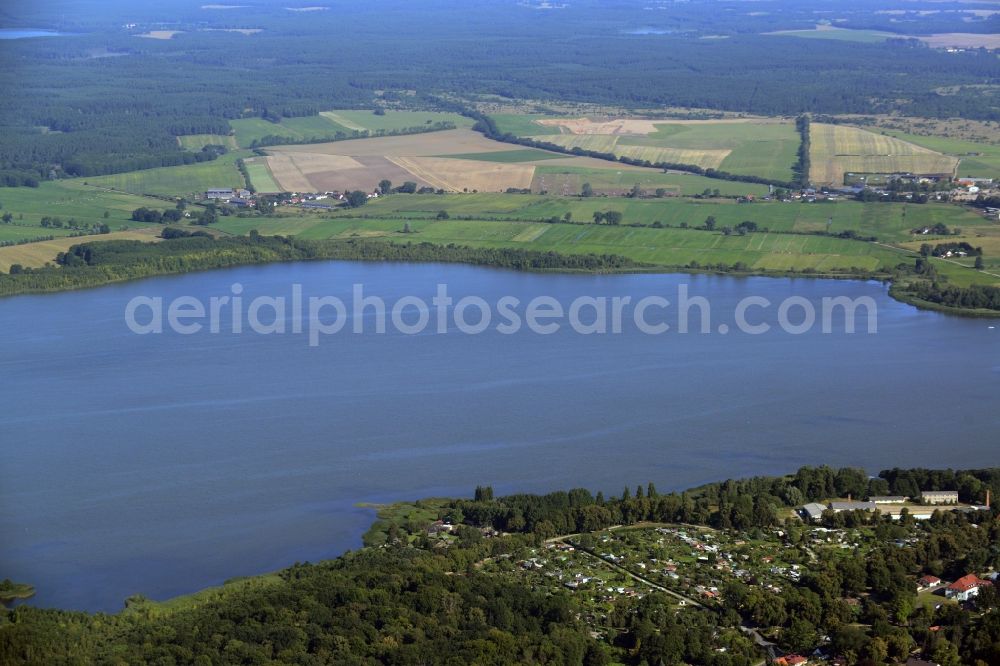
(980, 160)
(523, 124)
(889, 222)
(619, 179)
(838, 34)
(260, 175)
(393, 120)
(330, 125)
(195, 142)
(501, 220)
(508, 156)
(308, 128)
(44, 252)
(67, 199)
(186, 181)
(666, 248)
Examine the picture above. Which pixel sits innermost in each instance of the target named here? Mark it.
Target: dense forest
(409, 602)
(102, 99)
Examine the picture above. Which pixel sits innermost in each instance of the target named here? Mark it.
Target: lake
(160, 464)
(24, 33)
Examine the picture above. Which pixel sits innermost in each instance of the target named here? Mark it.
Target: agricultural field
(260, 175)
(331, 125)
(601, 143)
(616, 180)
(26, 232)
(452, 160)
(839, 34)
(180, 181)
(750, 146)
(38, 254)
(961, 270)
(393, 120)
(888, 222)
(510, 156)
(195, 142)
(979, 160)
(523, 124)
(514, 221)
(78, 199)
(662, 247)
(839, 149)
(309, 128)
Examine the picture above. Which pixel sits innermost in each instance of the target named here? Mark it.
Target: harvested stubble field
(839, 149)
(441, 160)
(38, 254)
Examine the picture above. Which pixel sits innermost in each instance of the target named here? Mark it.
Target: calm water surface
(162, 464)
(24, 33)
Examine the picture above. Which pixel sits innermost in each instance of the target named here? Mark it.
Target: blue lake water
(160, 464)
(24, 33)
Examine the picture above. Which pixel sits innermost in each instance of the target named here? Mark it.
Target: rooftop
(852, 506)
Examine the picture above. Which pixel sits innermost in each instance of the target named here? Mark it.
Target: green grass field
(69, 199)
(195, 142)
(761, 149)
(180, 181)
(260, 176)
(523, 124)
(309, 128)
(16, 232)
(889, 222)
(394, 120)
(767, 149)
(617, 179)
(499, 220)
(865, 36)
(508, 156)
(601, 143)
(985, 164)
(330, 125)
(662, 247)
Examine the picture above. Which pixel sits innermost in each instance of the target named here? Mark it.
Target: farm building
(965, 587)
(219, 193)
(939, 497)
(813, 511)
(837, 507)
(887, 499)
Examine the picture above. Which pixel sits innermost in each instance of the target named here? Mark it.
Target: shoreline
(101, 275)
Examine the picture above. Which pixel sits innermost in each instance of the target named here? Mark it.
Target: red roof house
(929, 581)
(966, 587)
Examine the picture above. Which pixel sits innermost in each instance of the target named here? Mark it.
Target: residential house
(927, 582)
(791, 660)
(965, 587)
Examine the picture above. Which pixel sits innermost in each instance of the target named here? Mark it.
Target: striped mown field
(839, 149)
